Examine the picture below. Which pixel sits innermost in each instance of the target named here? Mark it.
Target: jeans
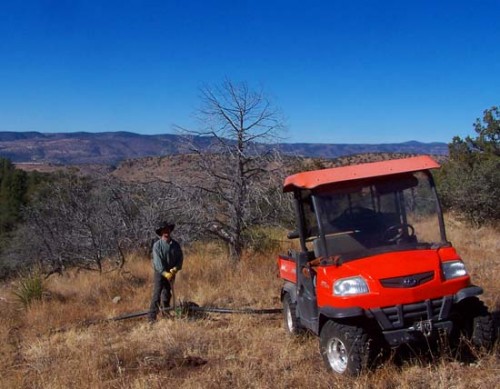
(162, 292)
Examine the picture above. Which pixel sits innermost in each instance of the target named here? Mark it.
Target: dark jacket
(167, 255)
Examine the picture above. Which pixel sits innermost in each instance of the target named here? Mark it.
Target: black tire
(345, 348)
(474, 323)
(291, 320)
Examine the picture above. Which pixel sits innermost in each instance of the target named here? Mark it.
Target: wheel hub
(289, 319)
(337, 355)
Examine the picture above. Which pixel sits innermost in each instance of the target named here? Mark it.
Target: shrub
(469, 181)
(30, 289)
(262, 240)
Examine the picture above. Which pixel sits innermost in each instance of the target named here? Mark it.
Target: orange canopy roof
(315, 178)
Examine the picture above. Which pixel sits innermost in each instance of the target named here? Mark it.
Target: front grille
(407, 281)
(404, 315)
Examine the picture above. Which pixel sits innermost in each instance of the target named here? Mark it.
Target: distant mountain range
(114, 147)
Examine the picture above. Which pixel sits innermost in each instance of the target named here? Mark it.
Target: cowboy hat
(164, 225)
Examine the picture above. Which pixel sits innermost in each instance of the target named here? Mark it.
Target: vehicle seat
(337, 245)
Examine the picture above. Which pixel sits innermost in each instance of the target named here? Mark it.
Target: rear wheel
(291, 320)
(344, 348)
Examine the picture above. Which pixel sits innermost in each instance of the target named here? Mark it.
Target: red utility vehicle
(374, 268)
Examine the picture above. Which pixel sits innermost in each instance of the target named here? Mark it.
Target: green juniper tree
(470, 181)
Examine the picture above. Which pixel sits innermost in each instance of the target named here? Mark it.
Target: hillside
(57, 343)
(184, 168)
(113, 147)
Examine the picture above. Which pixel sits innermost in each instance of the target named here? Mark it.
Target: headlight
(453, 269)
(350, 286)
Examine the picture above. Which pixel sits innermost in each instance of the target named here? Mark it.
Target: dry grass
(51, 345)
(479, 248)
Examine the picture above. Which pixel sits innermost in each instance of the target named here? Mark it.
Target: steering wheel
(397, 231)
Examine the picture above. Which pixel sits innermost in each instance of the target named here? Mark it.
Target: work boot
(164, 309)
(152, 317)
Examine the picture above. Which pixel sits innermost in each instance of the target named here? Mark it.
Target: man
(167, 261)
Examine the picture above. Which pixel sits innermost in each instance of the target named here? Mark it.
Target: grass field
(54, 344)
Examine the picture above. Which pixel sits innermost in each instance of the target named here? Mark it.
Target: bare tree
(139, 206)
(88, 221)
(238, 166)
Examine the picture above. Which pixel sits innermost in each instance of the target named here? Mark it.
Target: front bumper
(417, 333)
(405, 323)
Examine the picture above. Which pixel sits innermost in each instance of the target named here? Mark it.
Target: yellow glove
(174, 271)
(167, 275)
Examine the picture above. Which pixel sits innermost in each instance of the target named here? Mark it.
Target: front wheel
(344, 348)
(475, 323)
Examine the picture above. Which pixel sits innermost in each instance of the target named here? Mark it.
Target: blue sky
(353, 71)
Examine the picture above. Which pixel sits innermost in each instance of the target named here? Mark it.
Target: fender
(291, 289)
(470, 291)
(341, 313)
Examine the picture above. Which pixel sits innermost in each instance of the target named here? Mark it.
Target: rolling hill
(114, 147)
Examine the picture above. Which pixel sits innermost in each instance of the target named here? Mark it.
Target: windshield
(400, 210)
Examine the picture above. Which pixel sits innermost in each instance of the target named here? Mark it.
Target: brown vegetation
(53, 344)
(185, 167)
